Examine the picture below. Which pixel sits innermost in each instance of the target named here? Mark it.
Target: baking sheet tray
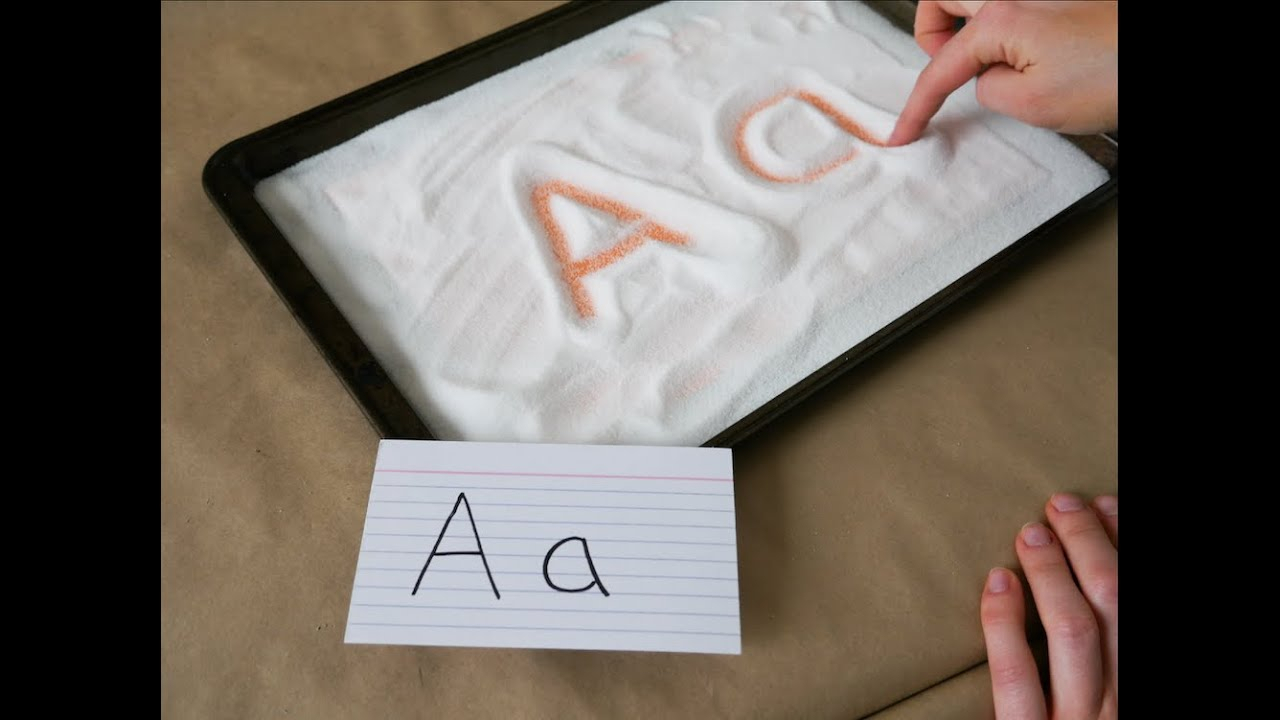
(232, 173)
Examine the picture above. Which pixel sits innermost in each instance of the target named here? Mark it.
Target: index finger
(957, 62)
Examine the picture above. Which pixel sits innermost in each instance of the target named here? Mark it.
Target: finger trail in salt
(747, 131)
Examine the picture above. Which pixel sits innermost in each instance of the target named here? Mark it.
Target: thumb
(955, 63)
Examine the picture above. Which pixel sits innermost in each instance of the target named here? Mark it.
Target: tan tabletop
(867, 518)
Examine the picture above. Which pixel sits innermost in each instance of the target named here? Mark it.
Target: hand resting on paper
(1048, 64)
(1079, 614)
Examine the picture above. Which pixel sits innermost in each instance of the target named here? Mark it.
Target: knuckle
(924, 10)
(1076, 629)
(1103, 591)
(1008, 674)
(995, 613)
(1078, 531)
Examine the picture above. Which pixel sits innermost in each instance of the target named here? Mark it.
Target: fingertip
(933, 42)
(1002, 600)
(934, 25)
(905, 131)
(999, 581)
(1064, 503)
(1015, 681)
(955, 63)
(1108, 505)
(1107, 508)
(1035, 535)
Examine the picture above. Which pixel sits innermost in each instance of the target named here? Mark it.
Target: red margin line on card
(550, 475)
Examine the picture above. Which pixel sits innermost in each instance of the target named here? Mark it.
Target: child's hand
(1079, 615)
(1049, 64)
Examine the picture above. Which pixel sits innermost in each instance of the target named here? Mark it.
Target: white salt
(580, 250)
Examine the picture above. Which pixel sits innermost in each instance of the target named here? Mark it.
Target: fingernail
(1107, 505)
(1063, 502)
(997, 580)
(1036, 535)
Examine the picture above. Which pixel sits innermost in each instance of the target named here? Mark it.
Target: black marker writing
(546, 568)
(435, 550)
